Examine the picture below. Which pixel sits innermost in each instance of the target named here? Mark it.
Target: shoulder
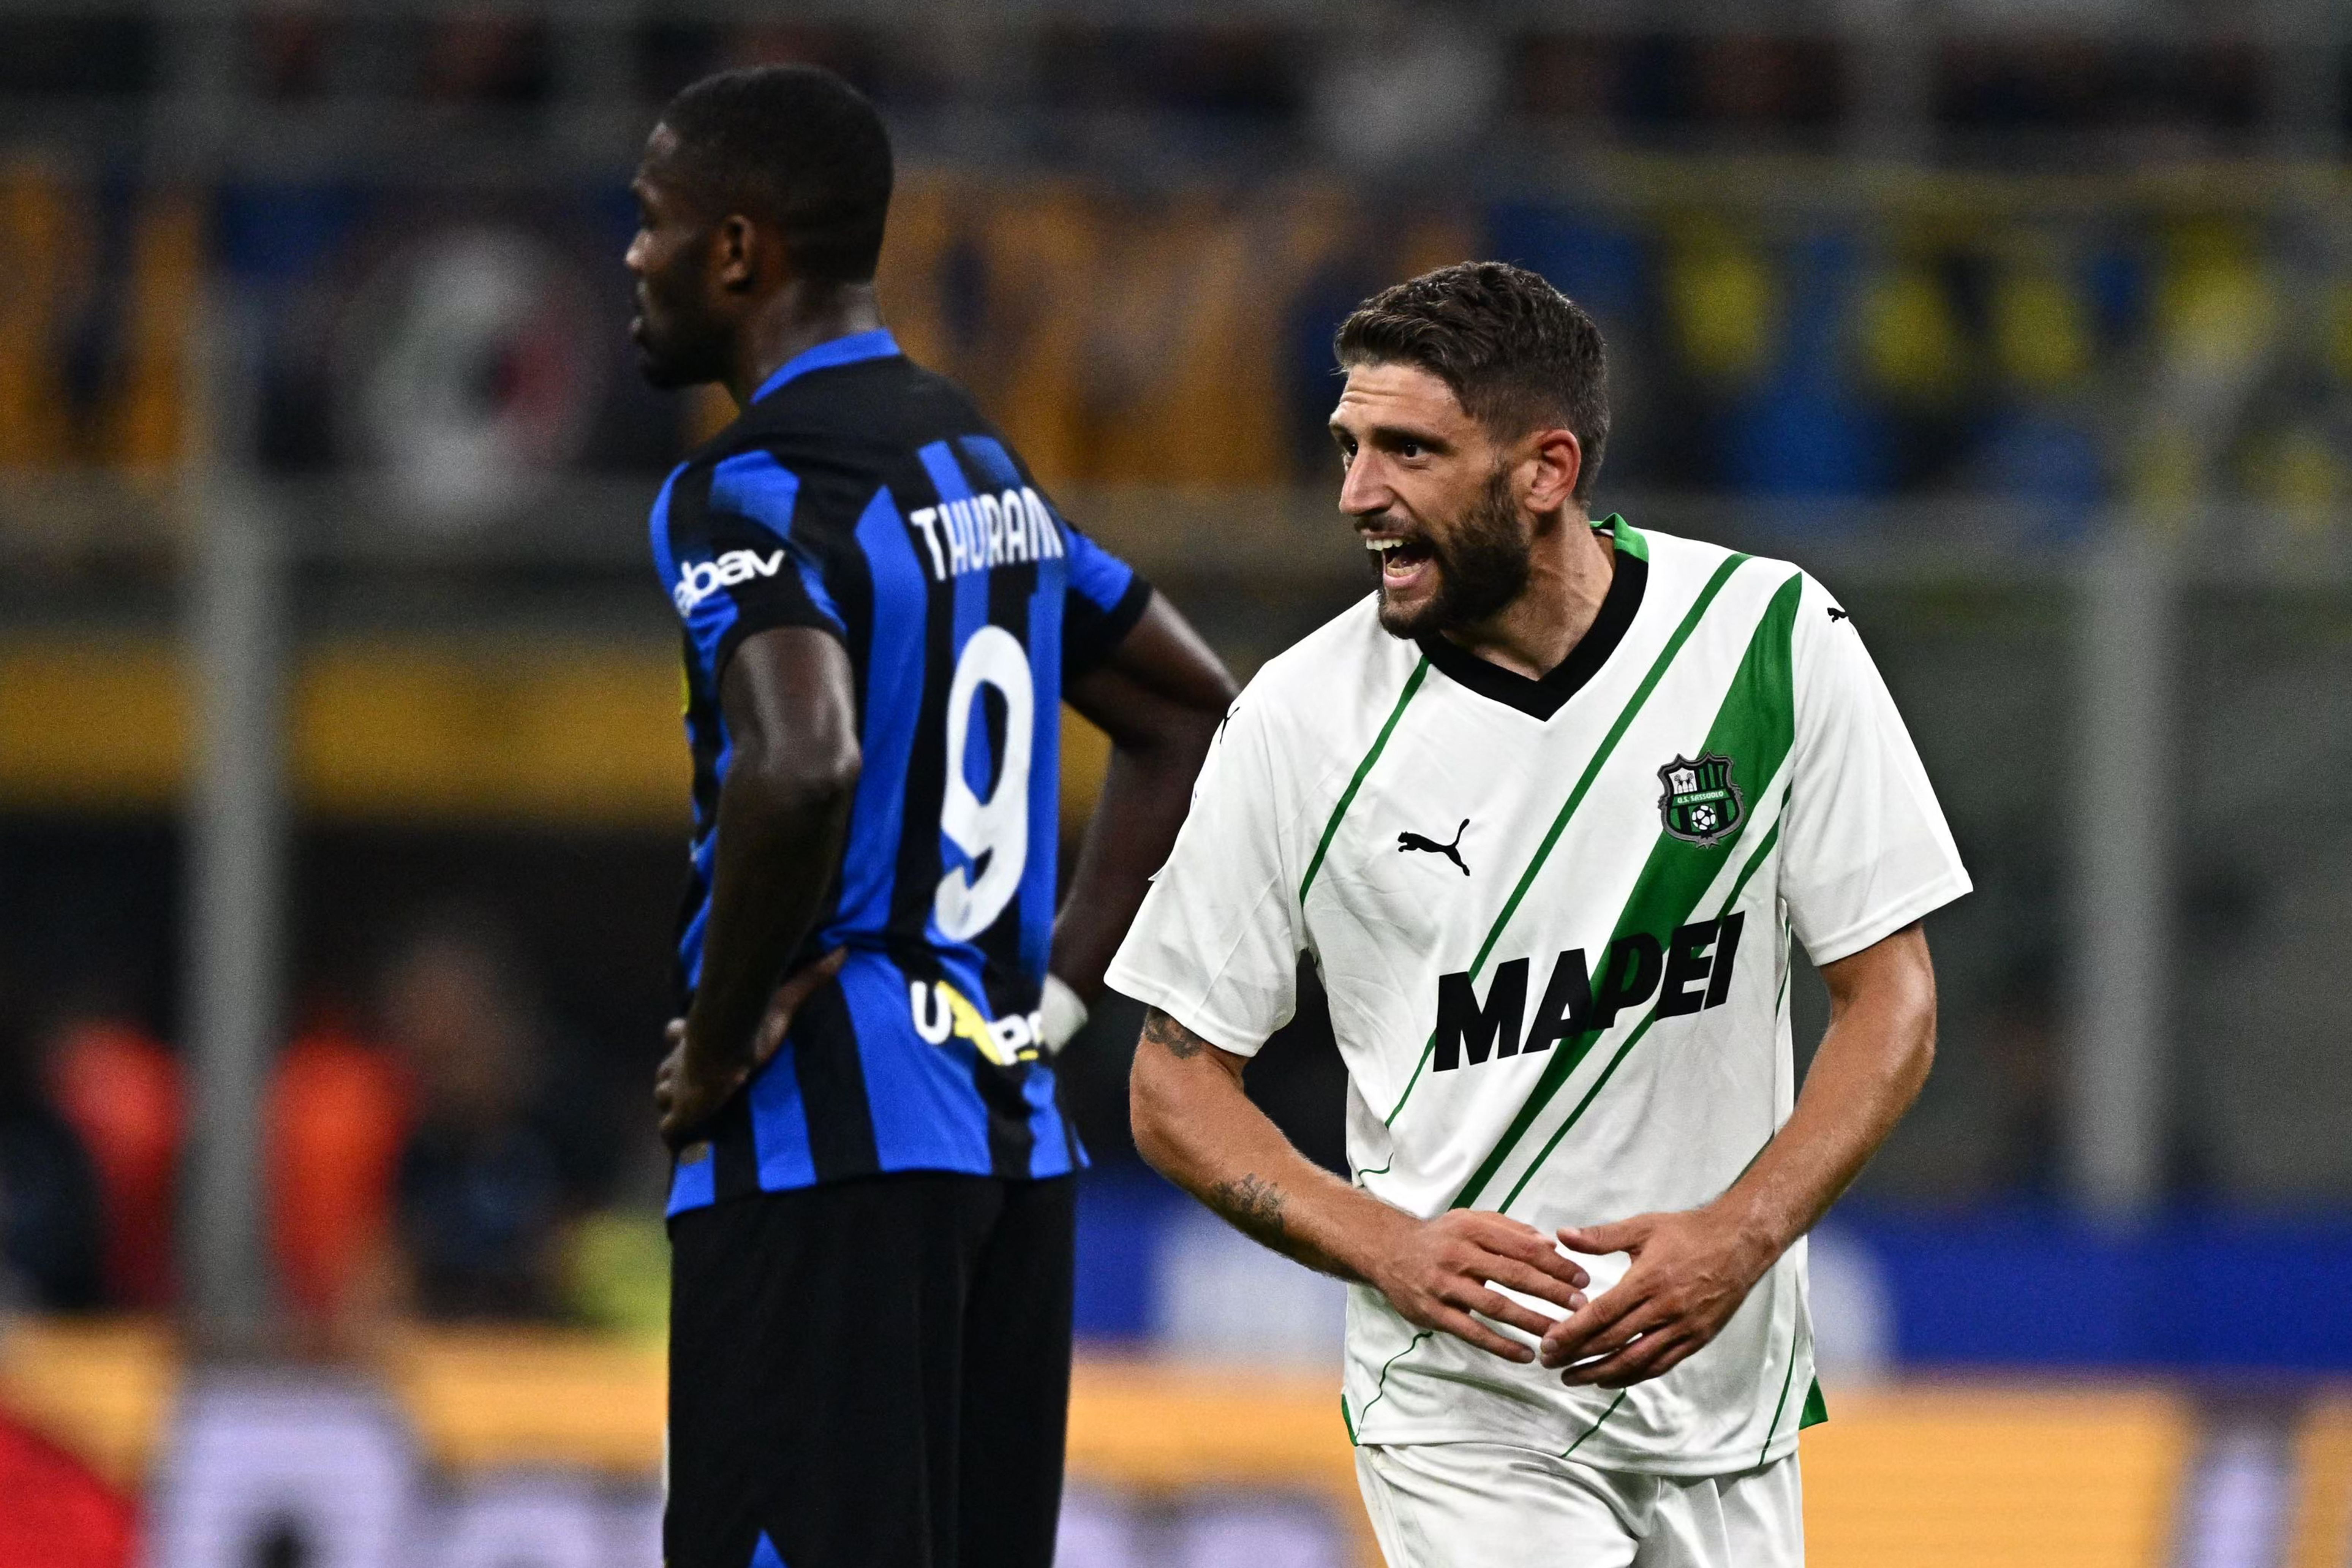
(1685, 565)
(1345, 674)
(1689, 571)
(786, 474)
(871, 406)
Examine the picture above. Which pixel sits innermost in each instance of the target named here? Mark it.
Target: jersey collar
(876, 344)
(1543, 696)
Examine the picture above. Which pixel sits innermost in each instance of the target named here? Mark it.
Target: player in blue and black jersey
(872, 1209)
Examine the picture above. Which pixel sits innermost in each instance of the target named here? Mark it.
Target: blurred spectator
(1407, 90)
(338, 1110)
(50, 1227)
(493, 1173)
(120, 1089)
(502, 61)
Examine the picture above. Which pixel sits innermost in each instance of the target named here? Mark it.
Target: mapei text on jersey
(1687, 971)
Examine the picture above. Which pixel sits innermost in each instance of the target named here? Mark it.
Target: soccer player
(872, 1214)
(1546, 811)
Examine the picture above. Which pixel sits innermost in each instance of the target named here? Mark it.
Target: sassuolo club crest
(1701, 804)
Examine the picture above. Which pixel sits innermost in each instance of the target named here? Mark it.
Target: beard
(1482, 559)
(678, 344)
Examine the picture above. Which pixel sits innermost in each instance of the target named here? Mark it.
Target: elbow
(1148, 1116)
(1222, 689)
(1173, 735)
(1920, 1059)
(1191, 737)
(814, 780)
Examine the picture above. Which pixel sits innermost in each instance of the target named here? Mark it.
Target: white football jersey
(1553, 919)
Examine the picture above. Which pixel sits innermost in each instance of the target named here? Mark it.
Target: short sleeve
(1105, 598)
(1864, 850)
(756, 561)
(1216, 943)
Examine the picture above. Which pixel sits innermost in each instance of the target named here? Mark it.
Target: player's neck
(1569, 569)
(792, 321)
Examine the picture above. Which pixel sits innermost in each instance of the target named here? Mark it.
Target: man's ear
(734, 264)
(1557, 458)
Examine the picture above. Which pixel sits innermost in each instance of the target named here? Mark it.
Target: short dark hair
(1517, 353)
(799, 146)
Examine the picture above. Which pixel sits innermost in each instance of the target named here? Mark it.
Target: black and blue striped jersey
(865, 496)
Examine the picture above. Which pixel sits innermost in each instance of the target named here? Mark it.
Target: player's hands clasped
(1690, 1272)
(688, 1092)
(1446, 1268)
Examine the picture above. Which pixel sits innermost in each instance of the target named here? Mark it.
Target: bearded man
(1576, 1329)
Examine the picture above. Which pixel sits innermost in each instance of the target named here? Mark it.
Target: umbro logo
(1407, 841)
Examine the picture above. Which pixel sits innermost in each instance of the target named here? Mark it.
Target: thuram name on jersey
(1687, 971)
(987, 531)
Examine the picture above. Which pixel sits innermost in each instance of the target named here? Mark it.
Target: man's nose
(1362, 492)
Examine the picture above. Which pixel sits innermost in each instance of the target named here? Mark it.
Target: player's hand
(1690, 1272)
(1447, 1267)
(686, 1094)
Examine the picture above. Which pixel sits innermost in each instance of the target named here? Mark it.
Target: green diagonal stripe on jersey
(1347, 796)
(1584, 1046)
(1757, 725)
(1576, 796)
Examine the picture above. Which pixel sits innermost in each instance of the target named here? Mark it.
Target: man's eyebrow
(1391, 435)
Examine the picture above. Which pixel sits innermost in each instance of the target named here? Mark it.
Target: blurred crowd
(423, 1158)
(1371, 83)
(1133, 240)
(2065, 348)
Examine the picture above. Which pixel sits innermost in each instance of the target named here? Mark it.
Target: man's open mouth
(1401, 558)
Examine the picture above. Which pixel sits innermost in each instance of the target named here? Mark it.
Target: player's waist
(934, 995)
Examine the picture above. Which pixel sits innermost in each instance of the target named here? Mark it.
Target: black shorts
(872, 1373)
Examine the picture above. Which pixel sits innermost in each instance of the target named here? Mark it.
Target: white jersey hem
(1157, 994)
(1878, 927)
(1597, 1453)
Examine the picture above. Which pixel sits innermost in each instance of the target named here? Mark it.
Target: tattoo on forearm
(1171, 1037)
(1255, 1206)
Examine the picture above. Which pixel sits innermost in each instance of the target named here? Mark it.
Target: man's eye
(1408, 448)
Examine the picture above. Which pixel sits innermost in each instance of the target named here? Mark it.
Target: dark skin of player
(718, 299)
(1415, 463)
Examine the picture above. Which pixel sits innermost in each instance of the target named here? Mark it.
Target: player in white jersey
(1546, 813)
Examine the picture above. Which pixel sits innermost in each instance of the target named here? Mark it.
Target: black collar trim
(1540, 699)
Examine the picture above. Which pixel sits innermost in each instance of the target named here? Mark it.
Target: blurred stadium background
(340, 787)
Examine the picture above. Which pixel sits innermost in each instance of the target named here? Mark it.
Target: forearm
(1197, 1127)
(1145, 794)
(1869, 1069)
(778, 843)
(1160, 698)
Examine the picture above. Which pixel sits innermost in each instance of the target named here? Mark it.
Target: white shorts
(1491, 1505)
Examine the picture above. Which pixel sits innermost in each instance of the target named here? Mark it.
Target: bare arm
(1196, 1126)
(1160, 698)
(1691, 1270)
(790, 705)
